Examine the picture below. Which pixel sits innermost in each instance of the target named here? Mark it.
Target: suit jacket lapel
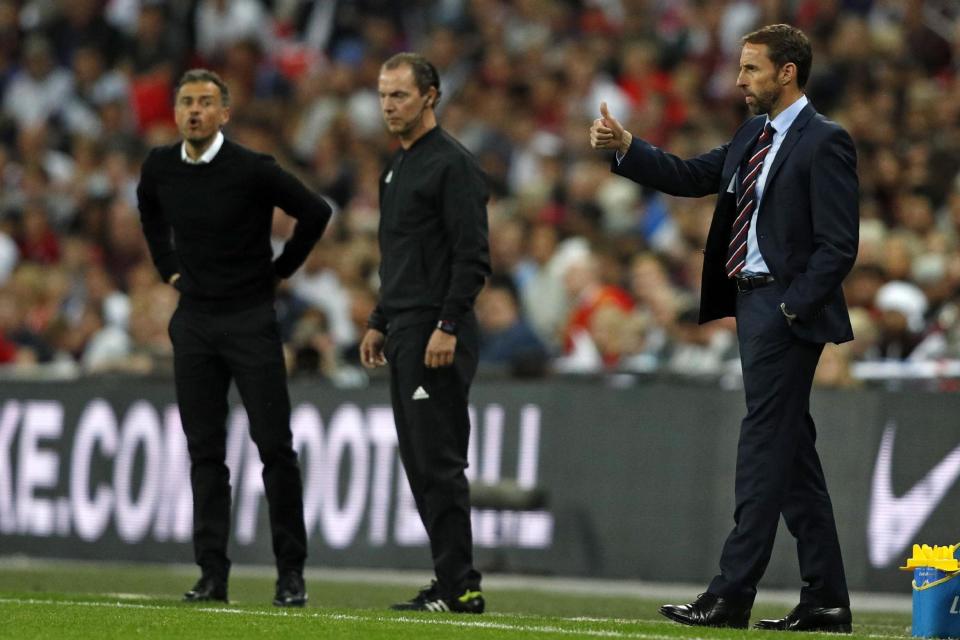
(793, 135)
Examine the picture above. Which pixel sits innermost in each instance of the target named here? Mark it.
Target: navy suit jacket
(807, 224)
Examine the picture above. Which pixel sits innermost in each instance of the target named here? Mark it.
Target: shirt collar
(208, 155)
(783, 121)
(426, 136)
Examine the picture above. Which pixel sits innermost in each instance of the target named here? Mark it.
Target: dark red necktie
(747, 201)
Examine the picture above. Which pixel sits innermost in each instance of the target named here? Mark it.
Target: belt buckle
(749, 283)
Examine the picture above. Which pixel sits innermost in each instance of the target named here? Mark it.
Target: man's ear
(787, 73)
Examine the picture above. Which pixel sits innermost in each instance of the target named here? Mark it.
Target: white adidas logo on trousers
(421, 394)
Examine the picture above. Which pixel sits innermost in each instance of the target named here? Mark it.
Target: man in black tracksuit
(435, 258)
(206, 206)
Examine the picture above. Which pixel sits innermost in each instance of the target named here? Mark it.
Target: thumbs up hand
(607, 132)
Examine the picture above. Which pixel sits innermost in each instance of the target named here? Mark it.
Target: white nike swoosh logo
(895, 521)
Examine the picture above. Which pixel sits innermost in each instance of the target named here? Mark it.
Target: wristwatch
(447, 326)
(789, 316)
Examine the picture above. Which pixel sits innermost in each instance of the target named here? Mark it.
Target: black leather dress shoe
(808, 618)
(709, 610)
(291, 591)
(208, 588)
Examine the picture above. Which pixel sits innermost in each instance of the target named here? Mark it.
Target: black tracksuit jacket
(433, 234)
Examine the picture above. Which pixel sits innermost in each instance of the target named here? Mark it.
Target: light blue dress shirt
(754, 261)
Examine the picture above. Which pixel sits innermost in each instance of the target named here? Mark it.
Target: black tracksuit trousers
(433, 429)
(210, 350)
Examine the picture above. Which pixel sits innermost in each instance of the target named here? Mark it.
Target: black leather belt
(749, 283)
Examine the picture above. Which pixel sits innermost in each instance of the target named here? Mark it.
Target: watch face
(447, 326)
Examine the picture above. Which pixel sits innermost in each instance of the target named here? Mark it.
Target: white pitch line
(478, 624)
(664, 591)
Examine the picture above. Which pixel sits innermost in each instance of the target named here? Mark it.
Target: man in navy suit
(782, 239)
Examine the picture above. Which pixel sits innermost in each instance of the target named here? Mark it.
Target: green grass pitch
(103, 601)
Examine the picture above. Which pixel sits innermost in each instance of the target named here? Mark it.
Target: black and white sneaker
(428, 599)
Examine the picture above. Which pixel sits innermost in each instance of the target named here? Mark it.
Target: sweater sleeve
(156, 229)
(464, 210)
(377, 320)
(310, 210)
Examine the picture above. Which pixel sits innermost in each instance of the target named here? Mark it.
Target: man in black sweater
(206, 206)
(435, 258)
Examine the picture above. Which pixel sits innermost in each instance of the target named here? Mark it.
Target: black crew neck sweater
(211, 223)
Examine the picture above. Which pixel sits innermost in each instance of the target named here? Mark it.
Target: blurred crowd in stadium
(592, 274)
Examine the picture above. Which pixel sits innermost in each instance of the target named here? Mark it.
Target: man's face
(758, 79)
(401, 102)
(199, 112)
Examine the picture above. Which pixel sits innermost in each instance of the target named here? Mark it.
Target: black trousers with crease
(778, 468)
(210, 350)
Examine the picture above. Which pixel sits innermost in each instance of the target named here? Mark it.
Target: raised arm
(645, 164)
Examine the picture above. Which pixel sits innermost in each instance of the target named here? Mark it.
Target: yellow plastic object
(938, 557)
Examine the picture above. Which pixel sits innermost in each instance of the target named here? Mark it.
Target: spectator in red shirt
(36, 240)
(588, 294)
